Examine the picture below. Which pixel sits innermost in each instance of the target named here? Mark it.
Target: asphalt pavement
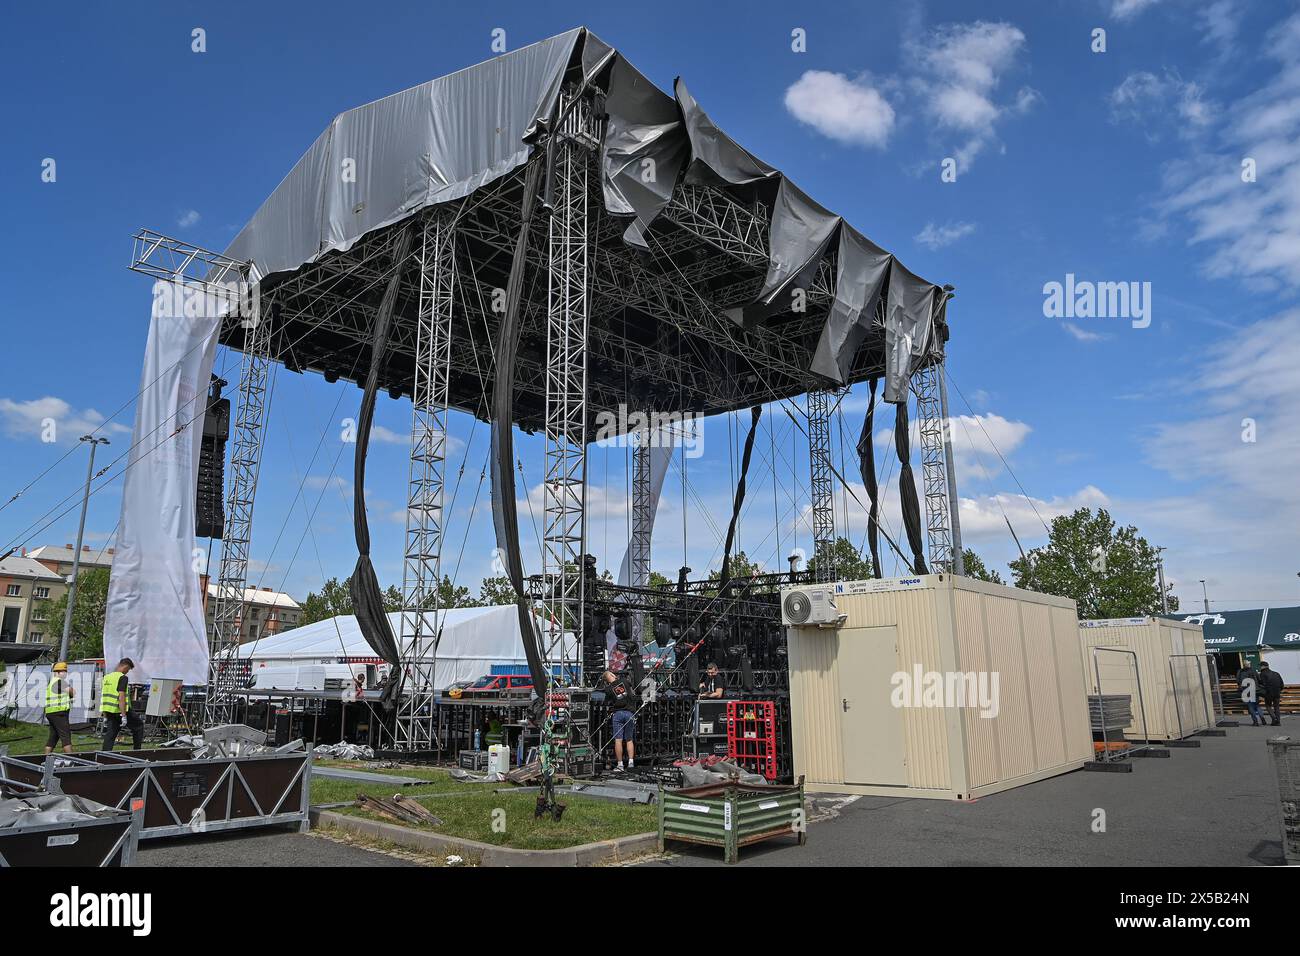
(1214, 805)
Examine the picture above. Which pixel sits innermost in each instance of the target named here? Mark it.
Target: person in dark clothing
(1270, 688)
(115, 705)
(618, 690)
(1248, 684)
(713, 686)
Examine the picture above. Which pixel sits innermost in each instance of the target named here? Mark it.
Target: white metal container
(938, 686)
(1170, 662)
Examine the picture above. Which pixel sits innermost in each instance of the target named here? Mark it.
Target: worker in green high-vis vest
(115, 704)
(58, 706)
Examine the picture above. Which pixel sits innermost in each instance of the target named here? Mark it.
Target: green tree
(496, 590)
(850, 564)
(335, 598)
(1107, 570)
(87, 636)
(975, 568)
(449, 595)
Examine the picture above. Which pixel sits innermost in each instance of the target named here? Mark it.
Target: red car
(500, 685)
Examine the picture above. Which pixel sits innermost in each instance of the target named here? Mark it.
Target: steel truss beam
(942, 533)
(821, 486)
(565, 483)
(251, 403)
(722, 222)
(422, 570)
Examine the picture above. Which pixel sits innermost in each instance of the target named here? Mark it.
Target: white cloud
(1082, 335)
(1128, 9)
(846, 110)
(1156, 101)
(1220, 20)
(984, 517)
(961, 68)
(1249, 230)
(976, 441)
(936, 237)
(30, 419)
(954, 72)
(188, 218)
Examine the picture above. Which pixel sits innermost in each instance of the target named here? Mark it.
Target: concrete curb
(485, 854)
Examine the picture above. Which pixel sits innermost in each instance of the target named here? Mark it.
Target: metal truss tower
(821, 487)
(568, 300)
(251, 404)
(642, 512)
(422, 570)
(943, 530)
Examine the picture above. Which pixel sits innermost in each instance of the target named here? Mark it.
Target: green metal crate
(732, 815)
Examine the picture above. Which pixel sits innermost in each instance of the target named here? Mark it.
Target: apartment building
(24, 584)
(265, 611)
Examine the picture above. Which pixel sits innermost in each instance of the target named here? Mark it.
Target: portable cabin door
(871, 727)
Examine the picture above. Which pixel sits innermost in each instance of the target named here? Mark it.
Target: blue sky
(1115, 166)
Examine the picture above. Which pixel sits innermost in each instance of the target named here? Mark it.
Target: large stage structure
(537, 240)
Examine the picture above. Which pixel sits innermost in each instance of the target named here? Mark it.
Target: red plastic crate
(751, 735)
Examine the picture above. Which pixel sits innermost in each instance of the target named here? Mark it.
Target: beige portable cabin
(1171, 666)
(933, 686)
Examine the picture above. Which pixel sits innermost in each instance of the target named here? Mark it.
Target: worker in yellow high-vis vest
(58, 707)
(115, 704)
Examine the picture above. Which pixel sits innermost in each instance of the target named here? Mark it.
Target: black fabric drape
(907, 489)
(367, 599)
(505, 518)
(755, 413)
(867, 465)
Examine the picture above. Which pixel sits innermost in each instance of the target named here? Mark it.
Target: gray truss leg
(565, 486)
(821, 488)
(642, 513)
(251, 405)
(942, 533)
(422, 570)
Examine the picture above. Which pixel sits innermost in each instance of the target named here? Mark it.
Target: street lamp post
(76, 554)
(1205, 596)
(1160, 566)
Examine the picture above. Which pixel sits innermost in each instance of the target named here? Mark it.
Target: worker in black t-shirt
(712, 687)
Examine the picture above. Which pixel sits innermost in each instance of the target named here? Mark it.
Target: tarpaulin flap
(715, 156)
(644, 149)
(909, 310)
(860, 274)
(801, 233)
(433, 143)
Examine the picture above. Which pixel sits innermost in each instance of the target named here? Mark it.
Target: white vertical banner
(155, 611)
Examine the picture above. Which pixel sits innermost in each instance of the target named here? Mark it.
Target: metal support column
(422, 570)
(943, 535)
(565, 484)
(251, 405)
(821, 487)
(642, 512)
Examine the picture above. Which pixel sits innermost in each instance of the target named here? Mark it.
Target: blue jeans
(1253, 707)
(624, 725)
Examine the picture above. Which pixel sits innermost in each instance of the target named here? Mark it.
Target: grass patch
(24, 738)
(474, 812)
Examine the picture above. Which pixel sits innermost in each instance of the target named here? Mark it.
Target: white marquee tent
(473, 639)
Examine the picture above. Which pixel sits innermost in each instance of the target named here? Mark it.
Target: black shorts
(60, 729)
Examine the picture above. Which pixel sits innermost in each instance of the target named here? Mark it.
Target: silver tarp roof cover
(382, 162)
